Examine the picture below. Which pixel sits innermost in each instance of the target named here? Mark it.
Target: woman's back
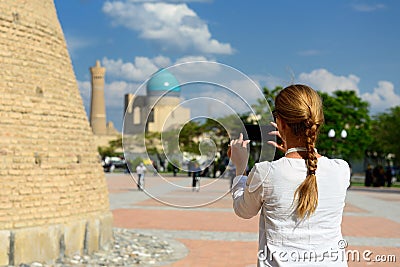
(284, 231)
(301, 196)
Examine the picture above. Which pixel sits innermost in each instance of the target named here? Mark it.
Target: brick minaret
(97, 108)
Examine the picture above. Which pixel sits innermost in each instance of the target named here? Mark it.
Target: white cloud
(191, 59)
(139, 70)
(162, 61)
(249, 90)
(75, 43)
(270, 81)
(114, 92)
(173, 26)
(368, 7)
(143, 67)
(325, 81)
(84, 89)
(195, 68)
(215, 102)
(382, 98)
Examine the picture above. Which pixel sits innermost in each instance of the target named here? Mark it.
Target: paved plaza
(212, 235)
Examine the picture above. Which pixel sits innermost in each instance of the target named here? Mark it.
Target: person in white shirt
(301, 196)
(140, 171)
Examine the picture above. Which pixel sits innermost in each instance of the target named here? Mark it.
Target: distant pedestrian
(155, 167)
(388, 176)
(378, 174)
(190, 167)
(175, 170)
(368, 176)
(196, 177)
(231, 172)
(140, 171)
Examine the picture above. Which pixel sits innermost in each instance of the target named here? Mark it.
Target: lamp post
(332, 134)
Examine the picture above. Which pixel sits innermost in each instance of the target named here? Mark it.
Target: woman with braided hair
(301, 196)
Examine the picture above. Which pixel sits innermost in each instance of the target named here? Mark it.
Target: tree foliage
(265, 106)
(270, 95)
(188, 137)
(344, 110)
(385, 128)
(112, 149)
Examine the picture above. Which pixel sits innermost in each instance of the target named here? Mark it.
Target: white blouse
(285, 240)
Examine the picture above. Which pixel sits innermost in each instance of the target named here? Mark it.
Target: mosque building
(157, 111)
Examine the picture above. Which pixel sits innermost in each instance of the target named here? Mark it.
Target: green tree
(117, 143)
(112, 149)
(270, 95)
(188, 137)
(385, 127)
(344, 110)
(107, 152)
(265, 106)
(152, 141)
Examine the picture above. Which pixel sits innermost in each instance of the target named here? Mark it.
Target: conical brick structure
(53, 193)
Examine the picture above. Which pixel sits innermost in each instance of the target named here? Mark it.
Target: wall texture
(53, 193)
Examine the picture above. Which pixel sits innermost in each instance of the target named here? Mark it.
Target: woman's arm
(246, 203)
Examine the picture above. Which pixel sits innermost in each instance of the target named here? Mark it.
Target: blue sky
(328, 44)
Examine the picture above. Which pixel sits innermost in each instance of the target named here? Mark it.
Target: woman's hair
(301, 108)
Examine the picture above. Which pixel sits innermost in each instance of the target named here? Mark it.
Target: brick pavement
(216, 237)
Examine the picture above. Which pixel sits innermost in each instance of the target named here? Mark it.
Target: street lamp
(343, 134)
(332, 133)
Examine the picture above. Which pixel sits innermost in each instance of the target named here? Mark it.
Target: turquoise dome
(162, 82)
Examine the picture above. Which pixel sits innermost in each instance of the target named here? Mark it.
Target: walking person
(301, 195)
(140, 171)
(196, 177)
(378, 174)
(231, 171)
(368, 176)
(388, 176)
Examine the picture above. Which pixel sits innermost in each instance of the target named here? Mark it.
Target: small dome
(162, 82)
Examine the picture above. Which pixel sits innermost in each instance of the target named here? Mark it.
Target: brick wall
(49, 169)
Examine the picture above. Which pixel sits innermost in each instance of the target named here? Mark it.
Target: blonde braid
(301, 108)
(307, 192)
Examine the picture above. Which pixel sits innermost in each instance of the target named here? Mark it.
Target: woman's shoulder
(267, 166)
(338, 166)
(262, 164)
(334, 162)
(258, 174)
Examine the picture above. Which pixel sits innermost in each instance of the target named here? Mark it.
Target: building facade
(159, 110)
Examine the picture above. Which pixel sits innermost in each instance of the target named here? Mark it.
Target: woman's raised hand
(281, 147)
(239, 154)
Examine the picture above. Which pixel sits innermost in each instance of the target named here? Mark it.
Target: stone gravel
(131, 248)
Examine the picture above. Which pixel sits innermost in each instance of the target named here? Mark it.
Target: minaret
(97, 107)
